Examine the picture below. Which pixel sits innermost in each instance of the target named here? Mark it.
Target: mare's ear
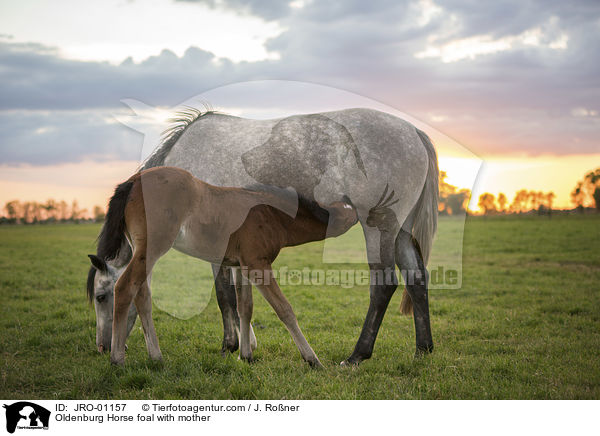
(98, 263)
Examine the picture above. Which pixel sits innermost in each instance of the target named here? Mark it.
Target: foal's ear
(98, 263)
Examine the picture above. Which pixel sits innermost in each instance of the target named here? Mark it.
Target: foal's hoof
(315, 363)
(156, 357)
(117, 361)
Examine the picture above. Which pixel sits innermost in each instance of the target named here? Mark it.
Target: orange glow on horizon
(92, 183)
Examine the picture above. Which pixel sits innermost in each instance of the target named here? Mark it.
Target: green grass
(525, 324)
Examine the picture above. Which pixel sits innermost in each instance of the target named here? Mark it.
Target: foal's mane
(179, 124)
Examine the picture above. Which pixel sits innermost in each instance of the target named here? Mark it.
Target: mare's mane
(179, 124)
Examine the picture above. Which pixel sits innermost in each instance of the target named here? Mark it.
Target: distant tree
(502, 200)
(36, 212)
(535, 199)
(99, 214)
(549, 199)
(487, 203)
(452, 201)
(457, 203)
(13, 211)
(51, 208)
(519, 203)
(592, 183)
(587, 191)
(76, 212)
(63, 210)
(27, 212)
(597, 199)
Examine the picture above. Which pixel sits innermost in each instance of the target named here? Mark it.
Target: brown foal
(166, 207)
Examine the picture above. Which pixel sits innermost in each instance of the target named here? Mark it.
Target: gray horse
(384, 165)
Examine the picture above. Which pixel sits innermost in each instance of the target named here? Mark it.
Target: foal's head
(331, 220)
(102, 278)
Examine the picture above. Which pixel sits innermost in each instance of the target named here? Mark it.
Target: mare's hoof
(349, 363)
(229, 348)
(423, 351)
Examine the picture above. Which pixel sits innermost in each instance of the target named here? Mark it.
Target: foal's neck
(305, 228)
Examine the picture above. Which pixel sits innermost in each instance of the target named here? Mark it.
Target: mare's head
(102, 278)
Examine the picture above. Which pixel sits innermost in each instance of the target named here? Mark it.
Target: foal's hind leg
(269, 288)
(245, 306)
(410, 262)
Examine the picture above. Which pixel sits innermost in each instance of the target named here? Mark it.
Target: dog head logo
(26, 415)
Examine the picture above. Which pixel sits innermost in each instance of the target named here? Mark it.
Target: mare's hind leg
(143, 304)
(383, 285)
(269, 288)
(245, 306)
(410, 262)
(226, 299)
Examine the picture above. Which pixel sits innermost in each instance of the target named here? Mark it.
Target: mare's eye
(100, 298)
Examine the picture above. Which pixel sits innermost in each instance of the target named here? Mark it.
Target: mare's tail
(426, 213)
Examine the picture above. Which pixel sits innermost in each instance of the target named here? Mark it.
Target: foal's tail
(112, 236)
(425, 213)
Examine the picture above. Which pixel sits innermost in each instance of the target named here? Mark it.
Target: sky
(512, 84)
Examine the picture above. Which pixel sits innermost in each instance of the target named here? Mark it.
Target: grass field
(526, 324)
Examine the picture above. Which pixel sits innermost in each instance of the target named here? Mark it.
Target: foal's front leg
(269, 288)
(126, 289)
(143, 304)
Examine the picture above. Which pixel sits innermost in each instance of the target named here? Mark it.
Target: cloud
(52, 137)
(267, 9)
(520, 72)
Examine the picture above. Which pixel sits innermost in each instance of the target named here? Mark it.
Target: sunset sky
(512, 84)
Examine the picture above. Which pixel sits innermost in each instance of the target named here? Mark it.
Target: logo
(26, 415)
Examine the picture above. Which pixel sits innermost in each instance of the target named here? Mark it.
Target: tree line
(585, 195)
(523, 201)
(452, 201)
(50, 211)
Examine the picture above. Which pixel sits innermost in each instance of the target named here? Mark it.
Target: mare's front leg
(262, 273)
(383, 285)
(245, 306)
